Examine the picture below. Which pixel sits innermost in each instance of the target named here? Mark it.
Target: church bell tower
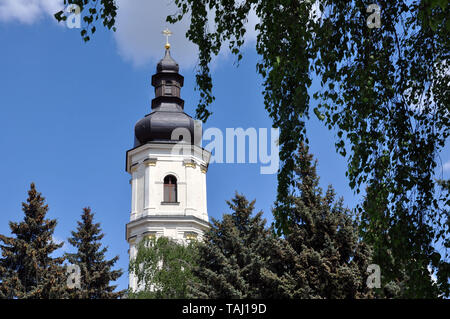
(167, 166)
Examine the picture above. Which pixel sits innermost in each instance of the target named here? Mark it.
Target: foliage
(383, 90)
(163, 269)
(27, 269)
(406, 264)
(330, 259)
(93, 11)
(443, 266)
(96, 271)
(232, 254)
(321, 258)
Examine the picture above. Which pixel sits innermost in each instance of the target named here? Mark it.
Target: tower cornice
(194, 153)
(142, 222)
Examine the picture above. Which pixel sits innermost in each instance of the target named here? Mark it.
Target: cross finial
(167, 33)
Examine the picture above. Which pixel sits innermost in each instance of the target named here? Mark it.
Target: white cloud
(139, 26)
(139, 39)
(28, 11)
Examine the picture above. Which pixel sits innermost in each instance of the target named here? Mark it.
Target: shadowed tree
(322, 257)
(27, 269)
(96, 270)
(326, 256)
(232, 254)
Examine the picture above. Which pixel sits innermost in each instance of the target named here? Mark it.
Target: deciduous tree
(163, 268)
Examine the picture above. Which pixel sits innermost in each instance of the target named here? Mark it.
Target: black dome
(167, 64)
(167, 114)
(159, 125)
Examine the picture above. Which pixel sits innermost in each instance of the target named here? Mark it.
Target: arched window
(170, 189)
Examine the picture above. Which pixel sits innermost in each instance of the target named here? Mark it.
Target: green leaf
(319, 115)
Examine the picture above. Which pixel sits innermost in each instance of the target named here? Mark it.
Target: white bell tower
(168, 167)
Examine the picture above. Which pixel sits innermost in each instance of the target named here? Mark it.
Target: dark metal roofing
(167, 64)
(167, 114)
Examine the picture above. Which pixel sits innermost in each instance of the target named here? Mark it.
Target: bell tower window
(170, 189)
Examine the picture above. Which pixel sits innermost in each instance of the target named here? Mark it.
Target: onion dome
(167, 107)
(167, 64)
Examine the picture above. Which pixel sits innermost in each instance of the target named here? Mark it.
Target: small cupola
(167, 106)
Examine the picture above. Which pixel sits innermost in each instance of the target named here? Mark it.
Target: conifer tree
(325, 256)
(96, 272)
(232, 255)
(27, 269)
(321, 256)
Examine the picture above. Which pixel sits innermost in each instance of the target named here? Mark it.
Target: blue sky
(68, 111)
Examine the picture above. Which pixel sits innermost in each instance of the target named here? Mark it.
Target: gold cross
(167, 33)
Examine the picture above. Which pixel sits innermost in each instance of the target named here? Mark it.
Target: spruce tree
(321, 256)
(96, 271)
(232, 254)
(27, 269)
(325, 257)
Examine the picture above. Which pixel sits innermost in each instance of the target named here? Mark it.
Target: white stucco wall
(148, 168)
(148, 165)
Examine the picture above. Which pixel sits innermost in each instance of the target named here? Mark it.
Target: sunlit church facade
(168, 167)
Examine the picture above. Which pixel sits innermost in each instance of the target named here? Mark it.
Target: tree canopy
(27, 268)
(163, 269)
(322, 257)
(383, 90)
(233, 255)
(96, 271)
(332, 259)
